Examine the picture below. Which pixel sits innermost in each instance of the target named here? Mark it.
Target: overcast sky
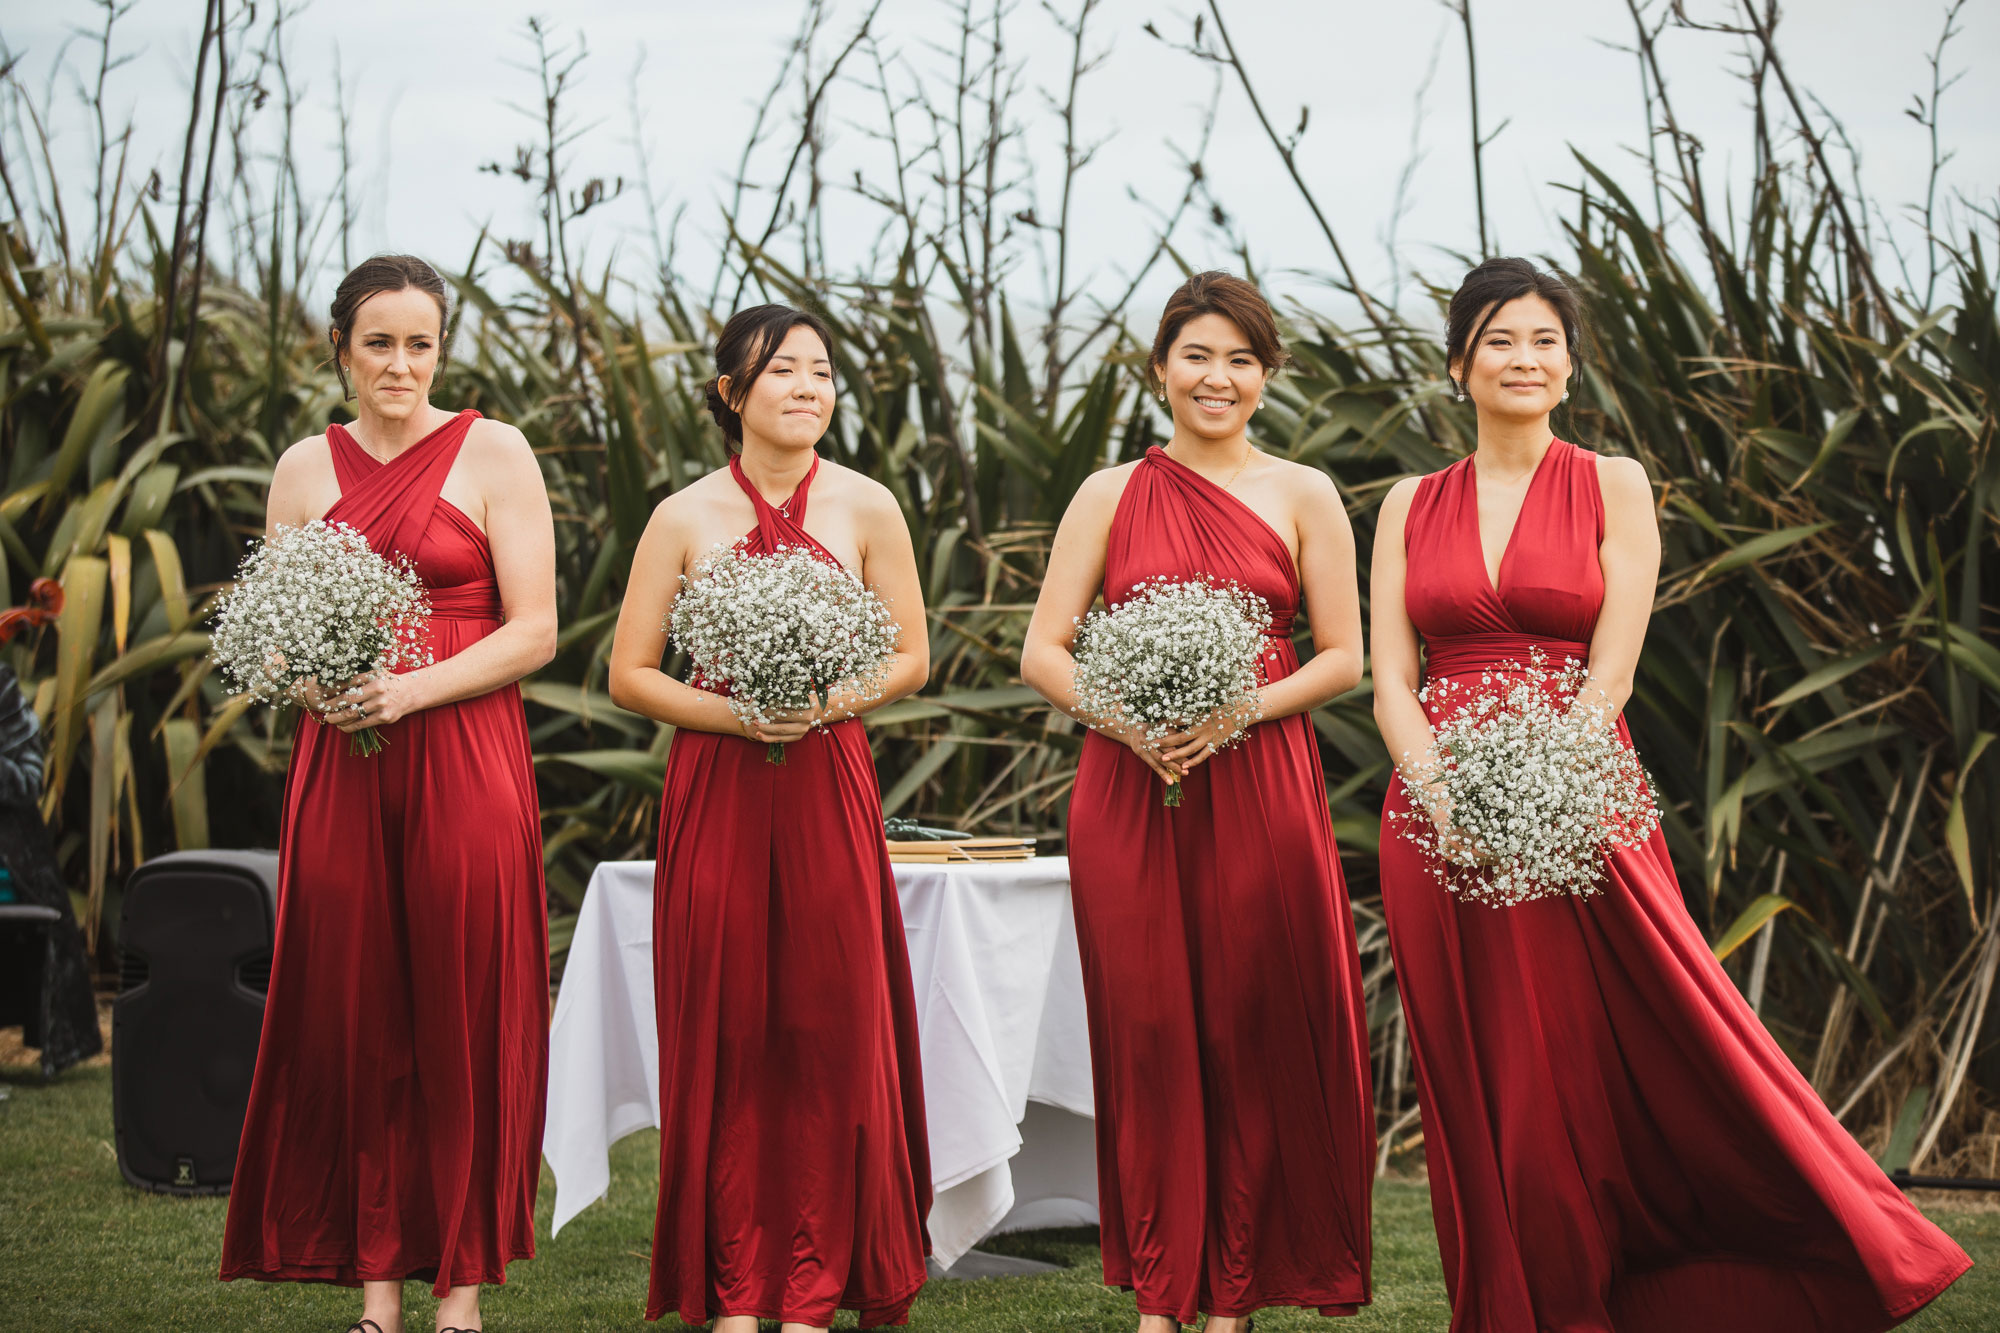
(431, 86)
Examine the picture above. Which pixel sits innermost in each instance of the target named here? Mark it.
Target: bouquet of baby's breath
(1171, 654)
(317, 604)
(1539, 788)
(776, 631)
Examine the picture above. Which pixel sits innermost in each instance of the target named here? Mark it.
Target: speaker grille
(133, 970)
(255, 974)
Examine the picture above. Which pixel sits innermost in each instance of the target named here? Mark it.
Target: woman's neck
(1202, 454)
(774, 470)
(386, 438)
(1510, 448)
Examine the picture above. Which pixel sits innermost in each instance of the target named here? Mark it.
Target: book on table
(960, 850)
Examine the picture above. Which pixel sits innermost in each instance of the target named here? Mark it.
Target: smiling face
(1213, 381)
(392, 354)
(790, 403)
(1520, 366)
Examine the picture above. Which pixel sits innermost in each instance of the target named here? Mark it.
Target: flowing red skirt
(395, 1120)
(1613, 1139)
(794, 1168)
(1235, 1125)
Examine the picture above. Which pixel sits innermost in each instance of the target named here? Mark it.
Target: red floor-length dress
(395, 1120)
(794, 1167)
(1613, 1140)
(1229, 1048)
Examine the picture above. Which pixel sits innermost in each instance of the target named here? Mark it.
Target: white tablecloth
(1000, 1015)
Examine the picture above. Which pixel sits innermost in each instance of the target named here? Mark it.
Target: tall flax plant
(1815, 700)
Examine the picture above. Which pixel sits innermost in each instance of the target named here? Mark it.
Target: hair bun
(725, 416)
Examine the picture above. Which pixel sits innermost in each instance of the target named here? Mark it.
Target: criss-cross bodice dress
(395, 1119)
(794, 1168)
(1235, 1124)
(1613, 1140)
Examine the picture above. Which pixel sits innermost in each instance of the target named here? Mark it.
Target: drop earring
(1565, 395)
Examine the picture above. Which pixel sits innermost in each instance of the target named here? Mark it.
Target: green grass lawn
(80, 1250)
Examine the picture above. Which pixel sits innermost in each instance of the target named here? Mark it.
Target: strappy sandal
(365, 1326)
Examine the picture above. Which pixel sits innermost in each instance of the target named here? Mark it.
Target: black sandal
(365, 1326)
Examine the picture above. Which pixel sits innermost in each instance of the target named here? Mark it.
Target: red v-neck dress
(395, 1120)
(1229, 1047)
(1613, 1140)
(794, 1167)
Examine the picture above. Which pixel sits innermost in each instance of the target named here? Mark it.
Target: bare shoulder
(495, 442)
(697, 494)
(855, 488)
(1623, 481)
(304, 458)
(1105, 487)
(1302, 479)
(1401, 496)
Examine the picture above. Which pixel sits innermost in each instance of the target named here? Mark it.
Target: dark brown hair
(372, 277)
(1225, 294)
(748, 342)
(1492, 285)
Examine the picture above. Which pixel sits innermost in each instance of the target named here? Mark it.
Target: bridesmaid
(1613, 1140)
(794, 1168)
(395, 1120)
(1235, 1137)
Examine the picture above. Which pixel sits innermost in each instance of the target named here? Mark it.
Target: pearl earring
(1260, 404)
(1565, 395)
(1459, 396)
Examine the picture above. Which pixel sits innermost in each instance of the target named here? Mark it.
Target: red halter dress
(395, 1120)
(1613, 1139)
(794, 1168)
(1228, 1042)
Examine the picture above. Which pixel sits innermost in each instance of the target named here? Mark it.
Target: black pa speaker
(195, 961)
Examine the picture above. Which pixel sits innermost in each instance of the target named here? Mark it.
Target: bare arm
(1333, 613)
(302, 487)
(1398, 668)
(889, 568)
(1333, 606)
(521, 534)
(640, 645)
(1630, 558)
(1074, 577)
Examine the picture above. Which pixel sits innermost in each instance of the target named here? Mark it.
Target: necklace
(364, 446)
(1249, 452)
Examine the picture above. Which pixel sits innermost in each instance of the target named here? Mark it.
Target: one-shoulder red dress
(1613, 1139)
(1228, 1043)
(794, 1167)
(395, 1120)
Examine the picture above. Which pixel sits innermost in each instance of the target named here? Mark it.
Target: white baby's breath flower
(1170, 655)
(775, 631)
(315, 603)
(1538, 785)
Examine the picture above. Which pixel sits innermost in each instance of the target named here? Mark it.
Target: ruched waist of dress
(1464, 654)
(477, 600)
